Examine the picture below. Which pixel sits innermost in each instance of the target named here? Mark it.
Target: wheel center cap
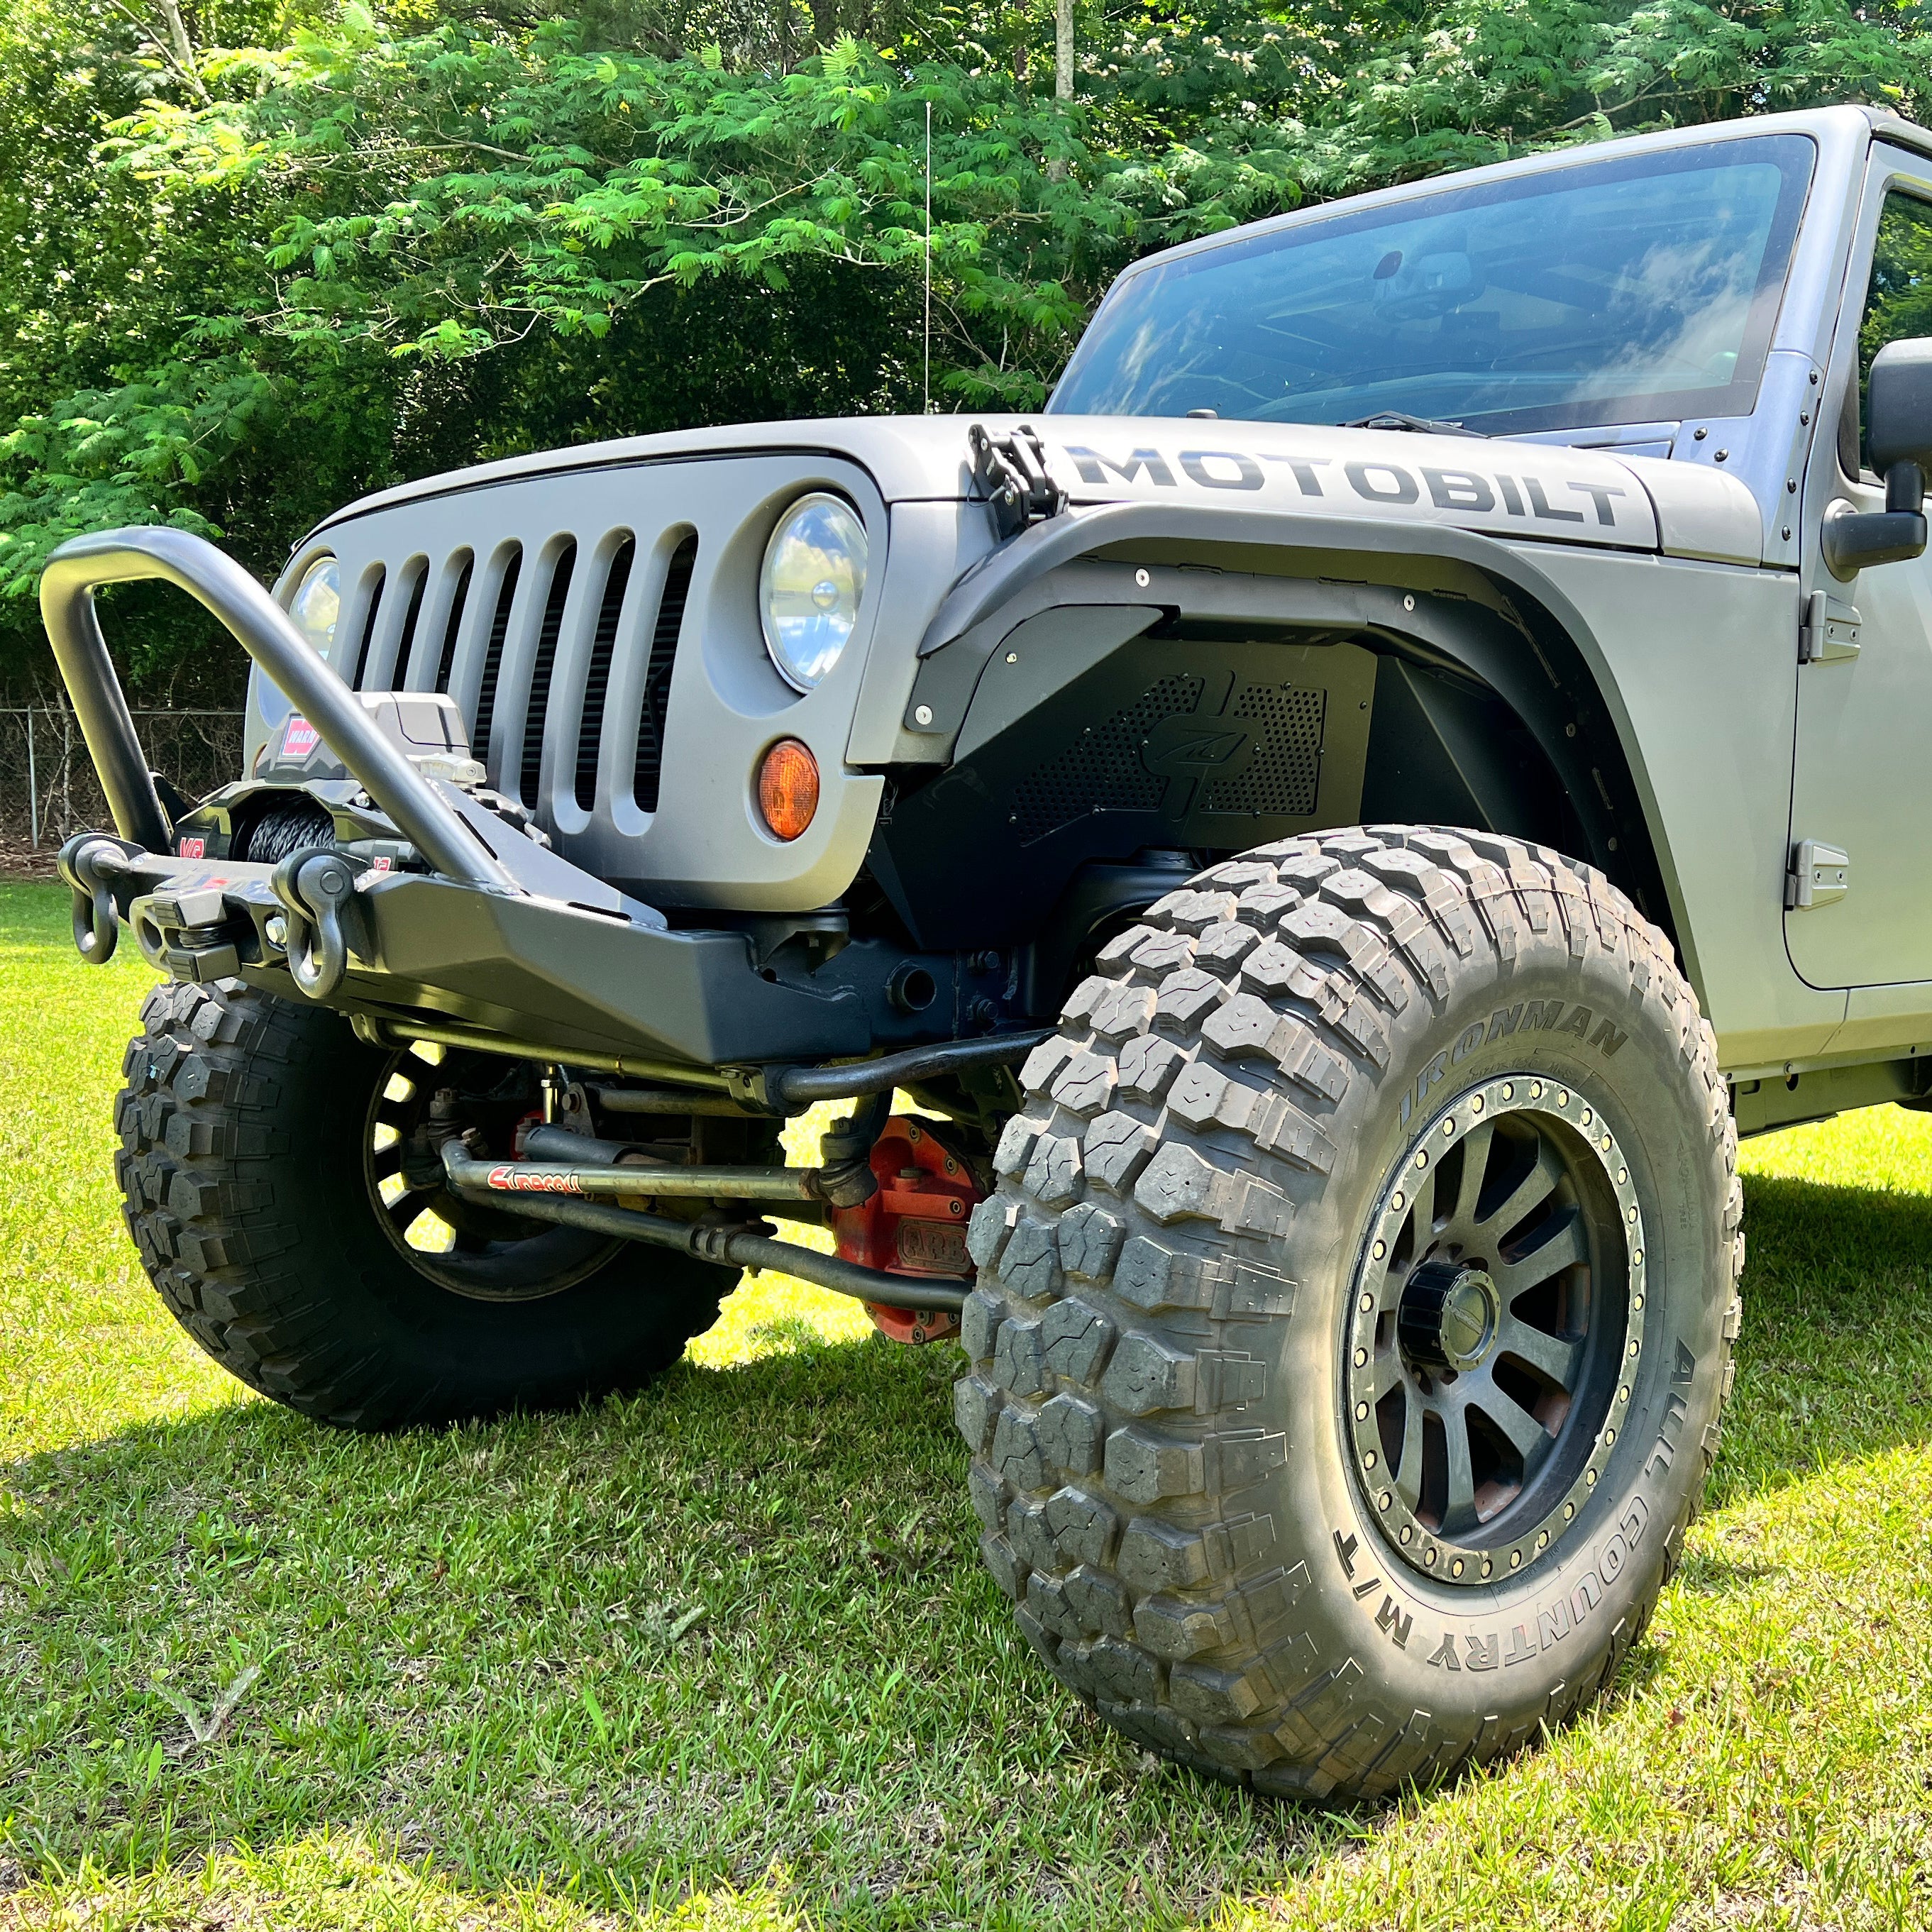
(1449, 1315)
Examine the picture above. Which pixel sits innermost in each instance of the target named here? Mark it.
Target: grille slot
(541, 670)
(493, 654)
(391, 672)
(648, 767)
(1101, 770)
(597, 675)
(1286, 771)
(447, 662)
(351, 673)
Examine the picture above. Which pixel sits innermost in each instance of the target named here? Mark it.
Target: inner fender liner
(1223, 742)
(1440, 598)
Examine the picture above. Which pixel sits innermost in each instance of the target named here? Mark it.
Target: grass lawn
(723, 1655)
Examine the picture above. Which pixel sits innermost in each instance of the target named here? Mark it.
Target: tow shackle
(313, 886)
(90, 864)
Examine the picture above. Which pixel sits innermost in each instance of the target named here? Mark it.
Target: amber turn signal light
(788, 788)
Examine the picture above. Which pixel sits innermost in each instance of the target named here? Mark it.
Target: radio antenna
(925, 381)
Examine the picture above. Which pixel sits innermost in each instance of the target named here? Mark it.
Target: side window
(1898, 301)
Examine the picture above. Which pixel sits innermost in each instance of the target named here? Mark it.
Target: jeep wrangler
(1334, 894)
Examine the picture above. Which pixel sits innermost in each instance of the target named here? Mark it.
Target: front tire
(279, 1192)
(1354, 1312)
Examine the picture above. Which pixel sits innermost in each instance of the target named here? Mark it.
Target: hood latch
(1012, 470)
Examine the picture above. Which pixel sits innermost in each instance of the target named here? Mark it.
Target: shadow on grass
(734, 1624)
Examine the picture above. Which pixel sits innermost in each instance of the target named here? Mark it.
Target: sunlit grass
(722, 1655)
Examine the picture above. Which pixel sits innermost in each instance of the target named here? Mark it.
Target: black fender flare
(1442, 595)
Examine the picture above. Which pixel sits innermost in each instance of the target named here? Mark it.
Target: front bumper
(426, 955)
(481, 936)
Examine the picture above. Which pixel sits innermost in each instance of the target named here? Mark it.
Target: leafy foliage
(332, 248)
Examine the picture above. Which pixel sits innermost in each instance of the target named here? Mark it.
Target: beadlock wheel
(285, 1208)
(465, 1247)
(1496, 1308)
(1354, 1309)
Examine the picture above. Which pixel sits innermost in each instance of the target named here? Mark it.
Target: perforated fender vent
(1102, 770)
(1286, 768)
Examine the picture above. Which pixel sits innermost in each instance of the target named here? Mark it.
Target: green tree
(295, 253)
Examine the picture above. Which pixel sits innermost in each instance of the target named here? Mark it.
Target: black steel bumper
(495, 941)
(429, 958)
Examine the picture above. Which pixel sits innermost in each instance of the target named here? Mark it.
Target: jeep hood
(1504, 489)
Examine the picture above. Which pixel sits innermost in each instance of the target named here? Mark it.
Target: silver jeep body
(1637, 595)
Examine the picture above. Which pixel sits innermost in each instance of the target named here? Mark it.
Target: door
(1862, 780)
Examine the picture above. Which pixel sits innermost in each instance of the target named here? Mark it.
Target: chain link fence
(48, 789)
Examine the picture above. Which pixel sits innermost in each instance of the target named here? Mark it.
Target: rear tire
(1217, 1310)
(253, 1196)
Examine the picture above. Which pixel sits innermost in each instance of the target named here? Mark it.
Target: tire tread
(1286, 958)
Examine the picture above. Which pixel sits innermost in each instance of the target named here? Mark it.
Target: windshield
(1632, 290)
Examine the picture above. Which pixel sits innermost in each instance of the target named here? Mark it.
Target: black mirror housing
(1898, 415)
(1877, 536)
(1898, 405)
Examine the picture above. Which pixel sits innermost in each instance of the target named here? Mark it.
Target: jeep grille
(396, 656)
(597, 627)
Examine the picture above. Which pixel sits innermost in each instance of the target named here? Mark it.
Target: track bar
(401, 1032)
(662, 1100)
(731, 1247)
(804, 1086)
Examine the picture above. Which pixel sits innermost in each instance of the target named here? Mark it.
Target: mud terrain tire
(243, 1125)
(1177, 1488)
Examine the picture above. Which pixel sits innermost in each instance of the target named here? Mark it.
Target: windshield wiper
(1402, 419)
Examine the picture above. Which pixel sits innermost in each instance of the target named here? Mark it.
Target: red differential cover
(915, 1225)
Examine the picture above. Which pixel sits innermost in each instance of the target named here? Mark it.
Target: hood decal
(1497, 486)
(1501, 487)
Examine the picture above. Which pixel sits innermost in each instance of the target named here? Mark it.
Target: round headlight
(317, 603)
(814, 575)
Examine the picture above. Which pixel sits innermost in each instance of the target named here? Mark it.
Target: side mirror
(1899, 411)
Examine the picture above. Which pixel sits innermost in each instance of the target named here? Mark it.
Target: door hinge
(1819, 874)
(1827, 634)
